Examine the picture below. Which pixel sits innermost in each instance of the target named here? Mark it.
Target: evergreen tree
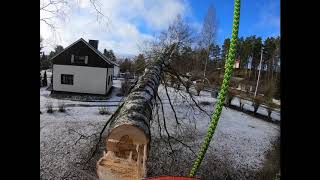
(105, 52)
(40, 80)
(44, 80)
(139, 64)
(215, 52)
(269, 55)
(246, 51)
(109, 54)
(225, 49)
(58, 49)
(126, 66)
(112, 56)
(256, 55)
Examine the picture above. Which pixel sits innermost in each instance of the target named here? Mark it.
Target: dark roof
(91, 47)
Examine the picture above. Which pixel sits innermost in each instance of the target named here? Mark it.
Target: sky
(128, 24)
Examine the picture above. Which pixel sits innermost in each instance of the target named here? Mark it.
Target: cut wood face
(135, 134)
(126, 156)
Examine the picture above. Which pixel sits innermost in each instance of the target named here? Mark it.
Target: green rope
(223, 91)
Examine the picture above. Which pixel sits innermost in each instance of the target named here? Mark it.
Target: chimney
(94, 43)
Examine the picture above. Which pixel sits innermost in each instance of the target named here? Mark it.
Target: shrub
(61, 106)
(199, 87)
(188, 84)
(270, 107)
(241, 103)
(178, 84)
(215, 79)
(172, 81)
(44, 80)
(256, 102)
(269, 90)
(103, 110)
(229, 97)
(125, 87)
(40, 80)
(49, 107)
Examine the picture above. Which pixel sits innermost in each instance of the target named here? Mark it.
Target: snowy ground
(240, 141)
(61, 145)
(65, 138)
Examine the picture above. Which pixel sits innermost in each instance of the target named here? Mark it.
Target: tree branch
(171, 71)
(164, 122)
(174, 112)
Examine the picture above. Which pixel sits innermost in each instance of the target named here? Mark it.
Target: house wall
(116, 71)
(86, 79)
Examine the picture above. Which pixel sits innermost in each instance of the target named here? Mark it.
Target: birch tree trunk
(128, 135)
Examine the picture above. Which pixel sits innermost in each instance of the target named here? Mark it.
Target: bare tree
(179, 34)
(208, 34)
(53, 10)
(128, 136)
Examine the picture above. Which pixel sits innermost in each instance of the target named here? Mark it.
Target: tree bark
(128, 135)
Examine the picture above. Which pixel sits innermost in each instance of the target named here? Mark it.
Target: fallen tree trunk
(128, 136)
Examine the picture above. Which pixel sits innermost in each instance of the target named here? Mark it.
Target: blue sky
(258, 17)
(130, 23)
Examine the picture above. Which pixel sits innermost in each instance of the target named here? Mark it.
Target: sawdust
(118, 168)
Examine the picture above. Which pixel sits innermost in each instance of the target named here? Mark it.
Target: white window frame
(86, 60)
(79, 59)
(72, 58)
(65, 80)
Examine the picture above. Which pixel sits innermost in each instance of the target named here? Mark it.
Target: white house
(236, 64)
(82, 68)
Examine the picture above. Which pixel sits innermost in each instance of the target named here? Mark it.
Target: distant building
(249, 64)
(237, 64)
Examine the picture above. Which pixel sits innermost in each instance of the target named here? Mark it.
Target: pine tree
(112, 56)
(269, 55)
(109, 54)
(224, 52)
(44, 80)
(40, 80)
(126, 66)
(256, 55)
(139, 64)
(58, 49)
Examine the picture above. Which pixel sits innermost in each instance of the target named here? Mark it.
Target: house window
(79, 59)
(109, 81)
(67, 79)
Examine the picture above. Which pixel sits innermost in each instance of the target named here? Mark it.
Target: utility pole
(255, 93)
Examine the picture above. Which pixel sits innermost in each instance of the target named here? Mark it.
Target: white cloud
(120, 30)
(159, 14)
